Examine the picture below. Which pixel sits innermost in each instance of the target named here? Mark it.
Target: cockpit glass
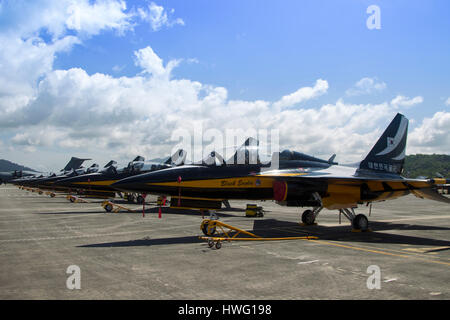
(213, 159)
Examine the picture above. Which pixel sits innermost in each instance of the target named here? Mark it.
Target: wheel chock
(359, 230)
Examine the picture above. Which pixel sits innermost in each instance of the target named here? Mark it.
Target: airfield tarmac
(127, 256)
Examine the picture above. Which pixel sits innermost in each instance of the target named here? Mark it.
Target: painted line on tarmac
(97, 234)
(378, 251)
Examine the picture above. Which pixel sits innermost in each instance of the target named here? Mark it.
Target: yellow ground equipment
(253, 210)
(76, 199)
(210, 227)
(113, 207)
(161, 201)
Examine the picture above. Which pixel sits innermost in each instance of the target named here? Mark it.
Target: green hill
(6, 165)
(427, 165)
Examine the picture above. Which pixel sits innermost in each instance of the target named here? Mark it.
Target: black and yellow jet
(305, 182)
(98, 183)
(41, 180)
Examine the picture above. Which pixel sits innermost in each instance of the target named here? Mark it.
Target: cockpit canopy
(288, 155)
(213, 159)
(93, 168)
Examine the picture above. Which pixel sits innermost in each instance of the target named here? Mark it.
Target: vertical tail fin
(247, 153)
(110, 163)
(74, 163)
(388, 154)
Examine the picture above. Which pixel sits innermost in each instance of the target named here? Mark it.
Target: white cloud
(92, 18)
(447, 102)
(33, 33)
(432, 136)
(105, 116)
(366, 86)
(303, 94)
(102, 116)
(401, 101)
(149, 61)
(158, 17)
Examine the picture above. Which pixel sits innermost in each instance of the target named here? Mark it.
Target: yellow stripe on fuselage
(96, 183)
(226, 183)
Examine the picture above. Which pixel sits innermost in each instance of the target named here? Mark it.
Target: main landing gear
(359, 222)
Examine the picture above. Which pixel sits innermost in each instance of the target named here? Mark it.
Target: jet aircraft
(7, 176)
(73, 164)
(100, 181)
(316, 184)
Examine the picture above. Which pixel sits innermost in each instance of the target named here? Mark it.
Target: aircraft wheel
(210, 243)
(140, 199)
(308, 217)
(108, 208)
(218, 245)
(71, 199)
(360, 222)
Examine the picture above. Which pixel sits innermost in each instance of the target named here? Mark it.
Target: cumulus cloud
(366, 86)
(303, 94)
(432, 136)
(401, 101)
(158, 16)
(93, 17)
(149, 61)
(33, 33)
(102, 116)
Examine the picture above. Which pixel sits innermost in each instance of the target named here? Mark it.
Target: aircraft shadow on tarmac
(168, 210)
(271, 228)
(71, 212)
(145, 242)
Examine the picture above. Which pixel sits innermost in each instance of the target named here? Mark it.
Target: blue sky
(264, 49)
(255, 50)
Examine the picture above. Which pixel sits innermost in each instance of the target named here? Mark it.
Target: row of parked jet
(297, 180)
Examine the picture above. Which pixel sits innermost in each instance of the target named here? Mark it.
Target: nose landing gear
(309, 216)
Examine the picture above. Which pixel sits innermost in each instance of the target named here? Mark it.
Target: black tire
(360, 222)
(71, 199)
(308, 217)
(218, 245)
(205, 230)
(210, 243)
(140, 199)
(108, 208)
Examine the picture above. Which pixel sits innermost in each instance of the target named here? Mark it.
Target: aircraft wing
(343, 187)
